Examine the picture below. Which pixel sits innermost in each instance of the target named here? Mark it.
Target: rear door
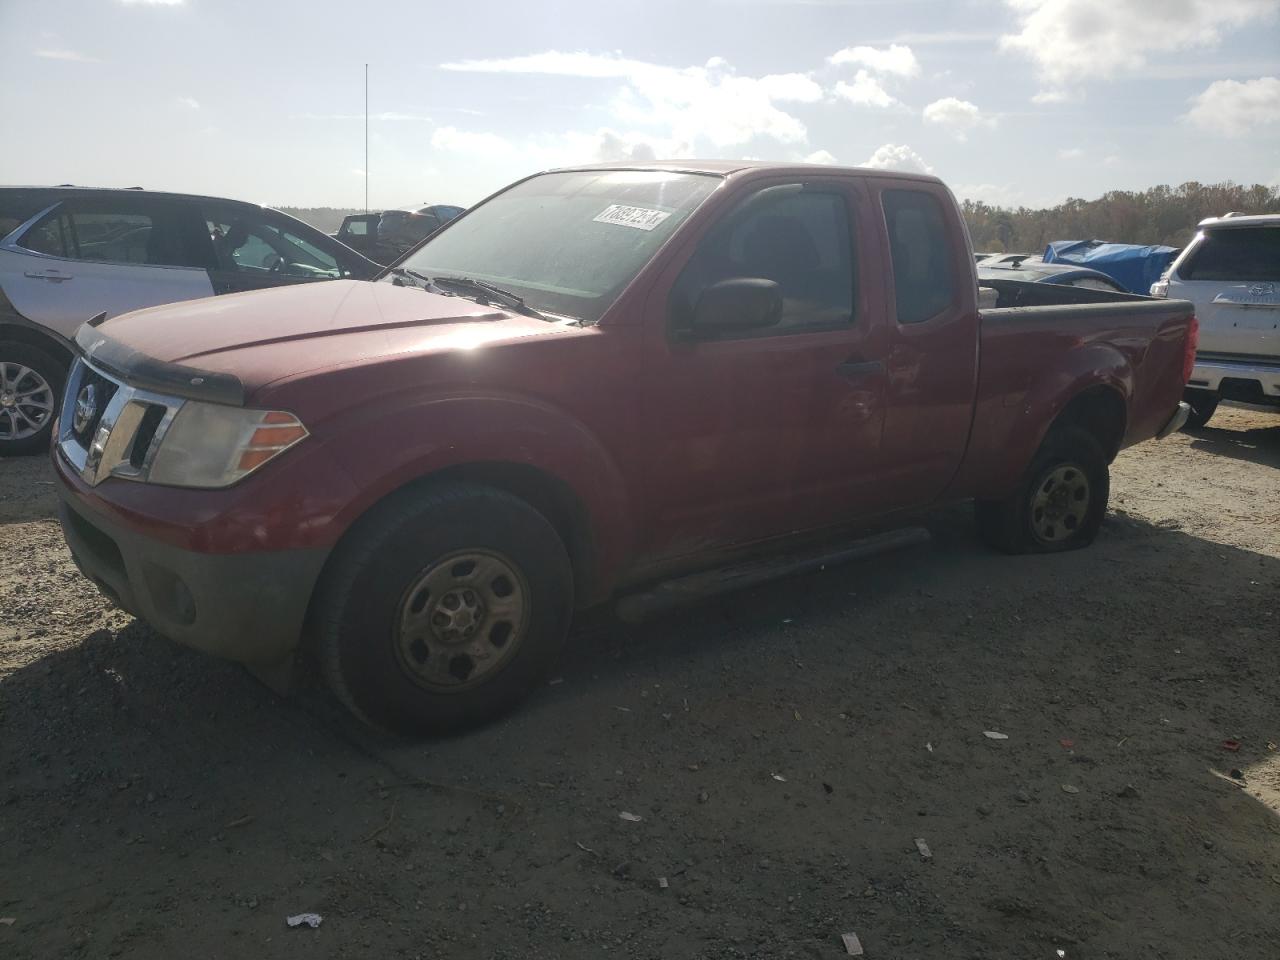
(1232, 275)
(89, 255)
(931, 361)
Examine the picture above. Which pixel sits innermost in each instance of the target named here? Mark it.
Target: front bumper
(1251, 381)
(245, 606)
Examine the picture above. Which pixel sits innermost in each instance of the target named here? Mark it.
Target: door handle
(856, 370)
(52, 276)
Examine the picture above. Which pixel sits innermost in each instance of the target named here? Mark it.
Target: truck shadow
(1259, 445)
(1118, 671)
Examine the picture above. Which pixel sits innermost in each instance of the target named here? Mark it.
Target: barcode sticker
(641, 218)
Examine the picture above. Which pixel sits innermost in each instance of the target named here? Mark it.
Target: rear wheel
(1060, 503)
(30, 388)
(445, 608)
(1203, 404)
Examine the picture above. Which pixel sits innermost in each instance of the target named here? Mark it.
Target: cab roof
(1236, 221)
(726, 168)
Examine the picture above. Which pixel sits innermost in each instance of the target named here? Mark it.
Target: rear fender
(1009, 428)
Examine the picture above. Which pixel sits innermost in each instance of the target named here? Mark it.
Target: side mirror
(740, 303)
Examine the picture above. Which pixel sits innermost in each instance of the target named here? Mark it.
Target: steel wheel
(26, 401)
(462, 620)
(1060, 504)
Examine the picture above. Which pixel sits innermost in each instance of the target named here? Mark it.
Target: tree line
(1163, 214)
(1160, 215)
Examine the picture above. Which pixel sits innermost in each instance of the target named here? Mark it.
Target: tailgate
(1241, 319)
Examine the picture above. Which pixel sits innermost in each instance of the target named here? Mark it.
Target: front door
(760, 433)
(254, 251)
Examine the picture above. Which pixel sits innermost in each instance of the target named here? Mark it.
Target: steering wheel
(273, 262)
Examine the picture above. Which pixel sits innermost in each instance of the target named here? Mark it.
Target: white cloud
(821, 156)
(710, 102)
(191, 103)
(61, 54)
(895, 59)
(465, 141)
(605, 145)
(1105, 37)
(1059, 95)
(894, 157)
(996, 195)
(1234, 109)
(956, 116)
(384, 115)
(1071, 153)
(865, 91)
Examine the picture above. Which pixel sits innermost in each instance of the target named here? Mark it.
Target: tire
(411, 641)
(31, 384)
(1069, 460)
(1203, 405)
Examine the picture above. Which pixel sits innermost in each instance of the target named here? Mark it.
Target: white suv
(68, 253)
(1231, 272)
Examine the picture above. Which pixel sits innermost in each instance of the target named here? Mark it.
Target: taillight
(1193, 341)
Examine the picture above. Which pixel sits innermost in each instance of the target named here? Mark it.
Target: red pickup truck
(596, 381)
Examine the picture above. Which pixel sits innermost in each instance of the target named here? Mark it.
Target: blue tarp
(1134, 266)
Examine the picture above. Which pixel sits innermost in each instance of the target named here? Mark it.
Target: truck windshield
(568, 243)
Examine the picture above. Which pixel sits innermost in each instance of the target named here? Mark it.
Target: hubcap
(1060, 504)
(462, 620)
(26, 401)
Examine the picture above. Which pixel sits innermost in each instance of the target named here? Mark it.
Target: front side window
(923, 280)
(797, 237)
(245, 242)
(1240, 254)
(570, 242)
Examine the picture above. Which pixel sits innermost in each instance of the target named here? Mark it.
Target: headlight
(210, 445)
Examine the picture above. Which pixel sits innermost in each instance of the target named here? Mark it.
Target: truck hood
(225, 348)
(187, 331)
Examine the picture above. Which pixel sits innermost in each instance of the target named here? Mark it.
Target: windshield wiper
(487, 291)
(404, 272)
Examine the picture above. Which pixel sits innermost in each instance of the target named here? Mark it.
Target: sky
(1009, 101)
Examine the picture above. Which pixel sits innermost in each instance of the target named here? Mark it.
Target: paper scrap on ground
(630, 817)
(311, 920)
(923, 847)
(995, 735)
(852, 945)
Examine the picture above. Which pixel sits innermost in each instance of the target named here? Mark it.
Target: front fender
(402, 446)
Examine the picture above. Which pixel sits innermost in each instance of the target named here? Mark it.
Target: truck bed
(1040, 342)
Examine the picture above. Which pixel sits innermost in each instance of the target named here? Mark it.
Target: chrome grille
(109, 428)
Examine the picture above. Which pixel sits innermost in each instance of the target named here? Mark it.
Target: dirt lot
(784, 749)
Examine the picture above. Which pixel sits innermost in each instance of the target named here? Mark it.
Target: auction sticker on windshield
(642, 218)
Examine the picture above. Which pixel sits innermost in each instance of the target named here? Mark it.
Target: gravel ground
(783, 750)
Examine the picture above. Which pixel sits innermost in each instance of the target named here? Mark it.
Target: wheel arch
(1102, 411)
(33, 336)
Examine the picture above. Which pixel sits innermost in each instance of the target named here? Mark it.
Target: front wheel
(30, 389)
(444, 609)
(1203, 405)
(1060, 503)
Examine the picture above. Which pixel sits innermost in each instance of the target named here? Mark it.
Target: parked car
(68, 253)
(596, 383)
(1133, 266)
(389, 235)
(1231, 272)
(1035, 270)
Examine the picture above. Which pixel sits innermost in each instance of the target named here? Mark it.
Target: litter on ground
(311, 920)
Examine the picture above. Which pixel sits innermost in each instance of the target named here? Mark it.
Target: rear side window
(923, 280)
(1239, 254)
(111, 233)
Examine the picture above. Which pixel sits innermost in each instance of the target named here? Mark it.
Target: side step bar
(636, 607)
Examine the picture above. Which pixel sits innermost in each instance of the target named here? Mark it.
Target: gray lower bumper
(1177, 421)
(248, 607)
